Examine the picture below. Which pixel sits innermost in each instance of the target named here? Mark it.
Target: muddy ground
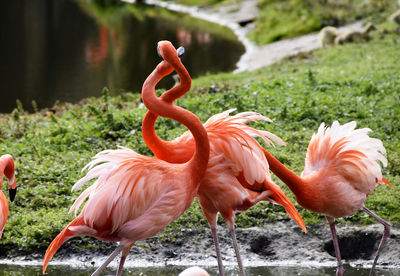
(281, 243)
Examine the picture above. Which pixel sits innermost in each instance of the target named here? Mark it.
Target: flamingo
(135, 196)
(341, 170)
(194, 271)
(7, 167)
(237, 175)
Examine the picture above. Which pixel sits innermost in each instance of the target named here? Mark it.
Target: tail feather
(64, 235)
(280, 198)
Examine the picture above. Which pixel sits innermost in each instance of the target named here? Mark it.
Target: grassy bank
(280, 19)
(353, 82)
(290, 18)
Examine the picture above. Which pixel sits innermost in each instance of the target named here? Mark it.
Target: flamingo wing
(350, 152)
(231, 136)
(127, 186)
(237, 168)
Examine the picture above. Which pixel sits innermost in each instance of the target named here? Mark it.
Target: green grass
(280, 19)
(202, 3)
(354, 82)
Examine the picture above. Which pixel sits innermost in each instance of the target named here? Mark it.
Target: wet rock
(170, 253)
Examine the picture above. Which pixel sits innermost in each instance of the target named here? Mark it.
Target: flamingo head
(9, 172)
(168, 53)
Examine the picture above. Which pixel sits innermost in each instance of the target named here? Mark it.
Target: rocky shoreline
(239, 18)
(275, 244)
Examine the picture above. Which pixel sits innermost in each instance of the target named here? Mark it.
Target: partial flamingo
(7, 168)
(194, 271)
(135, 196)
(237, 176)
(341, 170)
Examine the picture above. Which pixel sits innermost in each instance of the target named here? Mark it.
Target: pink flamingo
(237, 176)
(341, 170)
(7, 167)
(135, 196)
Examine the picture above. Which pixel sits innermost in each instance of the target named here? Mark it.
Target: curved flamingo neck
(159, 147)
(292, 180)
(162, 149)
(198, 163)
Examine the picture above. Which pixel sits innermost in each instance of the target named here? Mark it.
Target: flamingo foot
(339, 270)
(386, 233)
(109, 260)
(218, 251)
(121, 265)
(124, 254)
(235, 246)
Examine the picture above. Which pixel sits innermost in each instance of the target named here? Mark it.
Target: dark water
(8, 270)
(67, 50)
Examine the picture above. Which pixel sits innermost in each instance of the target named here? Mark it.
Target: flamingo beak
(12, 193)
(180, 51)
(158, 53)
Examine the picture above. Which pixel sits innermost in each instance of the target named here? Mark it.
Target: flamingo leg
(235, 246)
(218, 251)
(339, 271)
(125, 253)
(109, 260)
(386, 233)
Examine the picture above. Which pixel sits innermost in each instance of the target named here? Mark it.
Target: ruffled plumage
(356, 156)
(123, 178)
(231, 136)
(237, 174)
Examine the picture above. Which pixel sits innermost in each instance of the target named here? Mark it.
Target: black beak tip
(12, 193)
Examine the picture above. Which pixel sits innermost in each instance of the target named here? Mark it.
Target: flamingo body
(342, 167)
(3, 212)
(140, 185)
(133, 196)
(237, 175)
(341, 170)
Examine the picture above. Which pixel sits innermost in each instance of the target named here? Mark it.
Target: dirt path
(238, 18)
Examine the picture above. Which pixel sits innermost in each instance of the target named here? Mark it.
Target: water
(8, 270)
(67, 50)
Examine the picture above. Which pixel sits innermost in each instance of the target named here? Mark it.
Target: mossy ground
(353, 82)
